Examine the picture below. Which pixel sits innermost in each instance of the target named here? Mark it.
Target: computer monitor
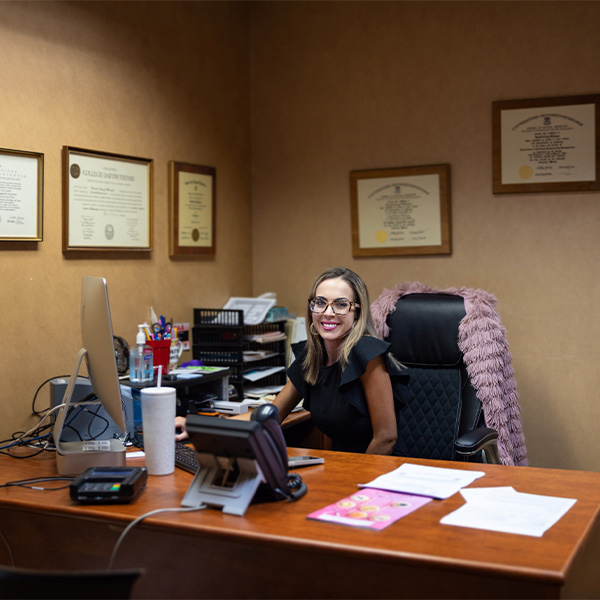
(72, 457)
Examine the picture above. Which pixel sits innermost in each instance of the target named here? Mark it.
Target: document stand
(230, 483)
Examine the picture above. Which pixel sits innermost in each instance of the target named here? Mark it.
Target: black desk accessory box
(108, 485)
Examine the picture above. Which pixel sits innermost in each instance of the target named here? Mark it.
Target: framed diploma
(546, 145)
(192, 210)
(21, 195)
(107, 201)
(399, 212)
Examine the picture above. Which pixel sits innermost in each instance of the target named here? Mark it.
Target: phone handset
(275, 467)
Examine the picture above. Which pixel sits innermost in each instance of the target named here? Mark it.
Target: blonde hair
(363, 324)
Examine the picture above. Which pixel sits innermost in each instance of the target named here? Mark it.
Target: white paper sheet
(262, 372)
(255, 309)
(506, 510)
(434, 482)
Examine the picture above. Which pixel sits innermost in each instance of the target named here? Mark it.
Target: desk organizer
(219, 338)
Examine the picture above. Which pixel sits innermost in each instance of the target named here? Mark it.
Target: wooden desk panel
(275, 552)
(300, 432)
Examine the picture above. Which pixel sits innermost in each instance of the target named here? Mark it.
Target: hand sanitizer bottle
(140, 360)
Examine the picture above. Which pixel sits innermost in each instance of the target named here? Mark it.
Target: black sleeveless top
(337, 402)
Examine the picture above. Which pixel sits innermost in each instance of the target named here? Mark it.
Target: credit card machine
(108, 485)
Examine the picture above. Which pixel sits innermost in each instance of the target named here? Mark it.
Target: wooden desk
(275, 552)
(300, 432)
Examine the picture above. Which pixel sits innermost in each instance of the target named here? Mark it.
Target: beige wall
(284, 99)
(168, 81)
(338, 86)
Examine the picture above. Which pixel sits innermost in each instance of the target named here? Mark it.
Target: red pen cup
(161, 351)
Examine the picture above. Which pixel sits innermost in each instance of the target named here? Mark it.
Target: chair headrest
(424, 329)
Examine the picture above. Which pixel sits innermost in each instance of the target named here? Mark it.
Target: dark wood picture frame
(108, 200)
(406, 211)
(21, 215)
(192, 212)
(545, 145)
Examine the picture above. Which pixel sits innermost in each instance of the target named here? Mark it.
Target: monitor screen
(73, 457)
(97, 338)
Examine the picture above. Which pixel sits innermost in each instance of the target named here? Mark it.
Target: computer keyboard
(185, 457)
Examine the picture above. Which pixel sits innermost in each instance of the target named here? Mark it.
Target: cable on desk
(70, 417)
(139, 520)
(28, 483)
(95, 415)
(22, 439)
(41, 413)
(40, 449)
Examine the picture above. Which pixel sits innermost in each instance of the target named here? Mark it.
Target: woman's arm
(380, 402)
(286, 400)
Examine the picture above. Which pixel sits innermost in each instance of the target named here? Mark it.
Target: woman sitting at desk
(350, 383)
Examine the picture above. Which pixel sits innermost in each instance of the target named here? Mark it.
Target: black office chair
(445, 418)
(18, 583)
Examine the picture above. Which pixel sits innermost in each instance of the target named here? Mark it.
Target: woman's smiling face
(331, 327)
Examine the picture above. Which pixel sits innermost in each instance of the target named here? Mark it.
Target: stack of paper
(267, 337)
(255, 309)
(261, 372)
(254, 355)
(434, 482)
(504, 509)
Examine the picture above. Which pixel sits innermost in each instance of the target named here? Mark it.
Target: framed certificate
(401, 211)
(546, 145)
(107, 201)
(21, 195)
(192, 210)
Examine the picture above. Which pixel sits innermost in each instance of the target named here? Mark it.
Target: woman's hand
(180, 424)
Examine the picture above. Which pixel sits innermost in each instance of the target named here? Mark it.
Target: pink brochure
(370, 508)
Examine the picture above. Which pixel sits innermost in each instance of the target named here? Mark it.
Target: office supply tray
(219, 338)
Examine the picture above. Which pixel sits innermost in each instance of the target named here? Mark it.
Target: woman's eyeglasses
(340, 306)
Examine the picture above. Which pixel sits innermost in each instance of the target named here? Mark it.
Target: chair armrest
(482, 439)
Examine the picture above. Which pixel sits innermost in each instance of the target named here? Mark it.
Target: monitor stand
(227, 483)
(72, 458)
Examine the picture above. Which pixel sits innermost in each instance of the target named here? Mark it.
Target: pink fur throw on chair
(482, 340)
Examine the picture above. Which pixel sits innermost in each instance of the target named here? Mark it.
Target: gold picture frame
(192, 210)
(107, 201)
(402, 211)
(21, 195)
(546, 144)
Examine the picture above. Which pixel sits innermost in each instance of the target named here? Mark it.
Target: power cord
(23, 439)
(29, 483)
(139, 520)
(41, 413)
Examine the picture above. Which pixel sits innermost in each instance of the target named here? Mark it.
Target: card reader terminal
(108, 485)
